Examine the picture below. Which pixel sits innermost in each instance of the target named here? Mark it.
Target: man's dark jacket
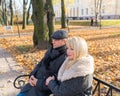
(48, 66)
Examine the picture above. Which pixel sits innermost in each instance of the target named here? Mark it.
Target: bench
(100, 88)
(20, 81)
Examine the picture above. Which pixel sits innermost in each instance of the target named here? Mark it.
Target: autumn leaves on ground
(103, 44)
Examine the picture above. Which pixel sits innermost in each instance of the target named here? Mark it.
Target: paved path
(8, 71)
(15, 34)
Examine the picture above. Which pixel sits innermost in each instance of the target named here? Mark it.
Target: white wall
(80, 7)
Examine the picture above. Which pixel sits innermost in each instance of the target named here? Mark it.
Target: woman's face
(70, 53)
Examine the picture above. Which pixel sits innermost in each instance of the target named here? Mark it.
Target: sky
(18, 5)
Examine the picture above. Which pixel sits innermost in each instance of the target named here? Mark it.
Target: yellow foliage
(104, 46)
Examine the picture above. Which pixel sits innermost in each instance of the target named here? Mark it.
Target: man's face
(58, 42)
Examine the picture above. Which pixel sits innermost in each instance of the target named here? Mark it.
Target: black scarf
(52, 54)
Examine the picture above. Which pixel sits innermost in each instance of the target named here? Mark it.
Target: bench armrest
(20, 81)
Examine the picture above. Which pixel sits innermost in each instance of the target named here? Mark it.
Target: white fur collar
(83, 67)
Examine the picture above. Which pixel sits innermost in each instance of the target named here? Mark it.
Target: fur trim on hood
(82, 67)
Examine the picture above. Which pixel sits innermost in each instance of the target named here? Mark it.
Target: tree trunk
(63, 21)
(5, 15)
(40, 36)
(50, 17)
(24, 14)
(28, 14)
(97, 10)
(11, 11)
(0, 12)
(4, 11)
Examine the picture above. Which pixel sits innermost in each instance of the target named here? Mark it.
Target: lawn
(114, 22)
(104, 46)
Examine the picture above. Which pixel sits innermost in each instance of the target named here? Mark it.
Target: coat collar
(82, 67)
(57, 51)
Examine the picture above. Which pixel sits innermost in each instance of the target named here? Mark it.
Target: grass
(110, 22)
(87, 22)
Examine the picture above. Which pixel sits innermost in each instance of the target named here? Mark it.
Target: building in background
(85, 9)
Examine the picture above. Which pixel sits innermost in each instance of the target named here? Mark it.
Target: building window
(73, 11)
(103, 9)
(77, 11)
(86, 11)
(92, 11)
(56, 13)
(82, 12)
(70, 12)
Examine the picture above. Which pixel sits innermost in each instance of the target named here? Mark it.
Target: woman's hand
(33, 81)
(49, 79)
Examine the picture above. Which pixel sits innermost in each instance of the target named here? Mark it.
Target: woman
(75, 76)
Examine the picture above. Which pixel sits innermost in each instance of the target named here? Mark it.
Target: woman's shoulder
(86, 58)
(85, 61)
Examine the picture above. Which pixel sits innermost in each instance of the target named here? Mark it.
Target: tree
(63, 17)
(97, 4)
(28, 13)
(24, 13)
(0, 12)
(39, 18)
(4, 12)
(50, 17)
(11, 11)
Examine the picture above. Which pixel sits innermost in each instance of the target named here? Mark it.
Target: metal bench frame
(18, 82)
(109, 90)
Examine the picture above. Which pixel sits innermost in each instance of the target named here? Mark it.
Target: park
(103, 41)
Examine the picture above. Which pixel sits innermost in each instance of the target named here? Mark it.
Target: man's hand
(49, 79)
(33, 81)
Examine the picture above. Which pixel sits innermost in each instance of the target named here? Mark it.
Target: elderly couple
(66, 69)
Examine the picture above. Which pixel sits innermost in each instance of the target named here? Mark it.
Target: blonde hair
(80, 48)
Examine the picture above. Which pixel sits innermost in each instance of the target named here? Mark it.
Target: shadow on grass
(24, 48)
(102, 38)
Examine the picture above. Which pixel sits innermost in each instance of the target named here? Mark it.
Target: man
(91, 21)
(48, 66)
